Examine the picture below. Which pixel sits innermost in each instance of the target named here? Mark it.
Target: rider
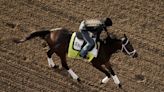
(92, 28)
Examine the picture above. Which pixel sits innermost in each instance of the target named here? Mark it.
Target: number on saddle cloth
(79, 42)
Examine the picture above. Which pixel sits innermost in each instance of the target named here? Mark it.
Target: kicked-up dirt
(24, 68)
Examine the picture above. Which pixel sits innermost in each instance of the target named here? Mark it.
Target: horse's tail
(41, 34)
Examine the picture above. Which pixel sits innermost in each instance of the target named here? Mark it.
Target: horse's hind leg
(65, 65)
(50, 61)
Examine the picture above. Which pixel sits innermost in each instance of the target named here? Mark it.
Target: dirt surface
(24, 68)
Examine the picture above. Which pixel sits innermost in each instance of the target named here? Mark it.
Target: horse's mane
(111, 38)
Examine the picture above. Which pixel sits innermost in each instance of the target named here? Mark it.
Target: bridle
(132, 53)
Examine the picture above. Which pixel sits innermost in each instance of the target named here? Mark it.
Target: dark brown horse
(58, 40)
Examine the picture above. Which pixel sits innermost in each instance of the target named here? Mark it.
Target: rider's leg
(89, 45)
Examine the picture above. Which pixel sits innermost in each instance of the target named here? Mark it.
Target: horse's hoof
(55, 66)
(101, 83)
(78, 79)
(15, 40)
(119, 85)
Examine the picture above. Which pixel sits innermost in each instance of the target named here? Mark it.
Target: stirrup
(85, 56)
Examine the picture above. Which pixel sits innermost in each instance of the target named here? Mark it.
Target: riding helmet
(108, 22)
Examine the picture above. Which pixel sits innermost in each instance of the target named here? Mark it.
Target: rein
(132, 53)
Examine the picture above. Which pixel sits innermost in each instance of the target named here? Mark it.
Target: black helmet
(108, 22)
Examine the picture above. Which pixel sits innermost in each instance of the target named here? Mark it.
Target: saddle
(77, 43)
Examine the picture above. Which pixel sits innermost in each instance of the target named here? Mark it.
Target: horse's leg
(99, 67)
(64, 64)
(114, 76)
(50, 61)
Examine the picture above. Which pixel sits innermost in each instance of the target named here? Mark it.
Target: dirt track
(24, 67)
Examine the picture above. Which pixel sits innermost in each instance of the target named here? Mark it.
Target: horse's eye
(123, 40)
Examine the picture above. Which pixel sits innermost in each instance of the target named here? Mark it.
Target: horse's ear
(125, 36)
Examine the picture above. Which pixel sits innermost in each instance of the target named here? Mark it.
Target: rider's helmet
(107, 22)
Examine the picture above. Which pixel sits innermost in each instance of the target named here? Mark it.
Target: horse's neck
(113, 45)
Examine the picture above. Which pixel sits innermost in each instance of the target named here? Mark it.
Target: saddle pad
(75, 46)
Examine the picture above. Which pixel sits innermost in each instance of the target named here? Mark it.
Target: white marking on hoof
(74, 76)
(105, 80)
(50, 62)
(116, 80)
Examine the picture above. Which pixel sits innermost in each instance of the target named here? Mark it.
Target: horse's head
(127, 47)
